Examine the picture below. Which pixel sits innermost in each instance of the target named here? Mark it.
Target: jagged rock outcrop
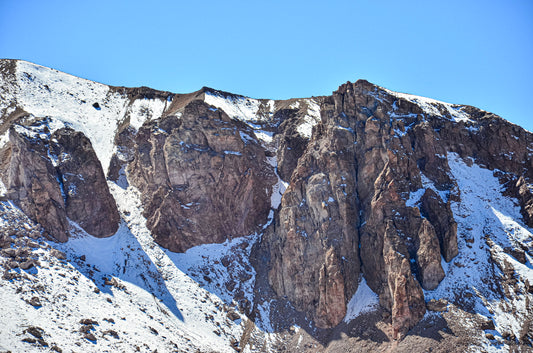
(428, 257)
(440, 215)
(524, 193)
(203, 178)
(389, 150)
(55, 176)
(87, 198)
(314, 252)
(407, 300)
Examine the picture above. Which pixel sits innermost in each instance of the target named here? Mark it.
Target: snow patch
(142, 110)
(364, 300)
(487, 223)
(279, 188)
(431, 106)
(237, 107)
(44, 92)
(311, 118)
(414, 197)
(86, 106)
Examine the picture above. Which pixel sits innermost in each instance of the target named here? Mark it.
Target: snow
(151, 290)
(142, 110)
(173, 268)
(414, 197)
(155, 288)
(487, 222)
(4, 138)
(294, 105)
(265, 136)
(248, 110)
(431, 106)
(235, 153)
(48, 93)
(311, 118)
(69, 101)
(3, 189)
(237, 107)
(363, 301)
(245, 137)
(279, 188)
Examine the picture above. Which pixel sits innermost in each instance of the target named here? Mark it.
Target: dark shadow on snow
(136, 268)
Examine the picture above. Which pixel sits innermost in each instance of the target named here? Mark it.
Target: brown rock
(200, 181)
(35, 302)
(89, 336)
(437, 305)
(26, 265)
(10, 252)
(441, 217)
(487, 325)
(88, 322)
(525, 197)
(408, 305)
(31, 182)
(204, 178)
(35, 331)
(58, 254)
(428, 257)
(111, 333)
(232, 315)
(88, 201)
(518, 254)
(75, 187)
(314, 252)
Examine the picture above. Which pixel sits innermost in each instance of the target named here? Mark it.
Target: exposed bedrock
(56, 177)
(372, 193)
(345, 212)
(203, 178)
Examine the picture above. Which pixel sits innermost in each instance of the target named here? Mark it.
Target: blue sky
(469, 51)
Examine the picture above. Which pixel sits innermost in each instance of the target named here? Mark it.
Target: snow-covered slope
(141, 296)
(489, 225)
(259, 114)
(90, 107)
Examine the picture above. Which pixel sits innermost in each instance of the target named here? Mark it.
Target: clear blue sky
(468, 51)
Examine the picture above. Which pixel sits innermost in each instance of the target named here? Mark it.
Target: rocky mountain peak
(324, 206)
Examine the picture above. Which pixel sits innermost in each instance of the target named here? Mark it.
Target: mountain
(140, 220)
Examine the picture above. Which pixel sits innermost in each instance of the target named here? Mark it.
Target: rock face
(55, 176)
(31, 181)
(352, 203)
(203, 178)
(87, 198)
(440, 215)
(428, 257)
(315, 248)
